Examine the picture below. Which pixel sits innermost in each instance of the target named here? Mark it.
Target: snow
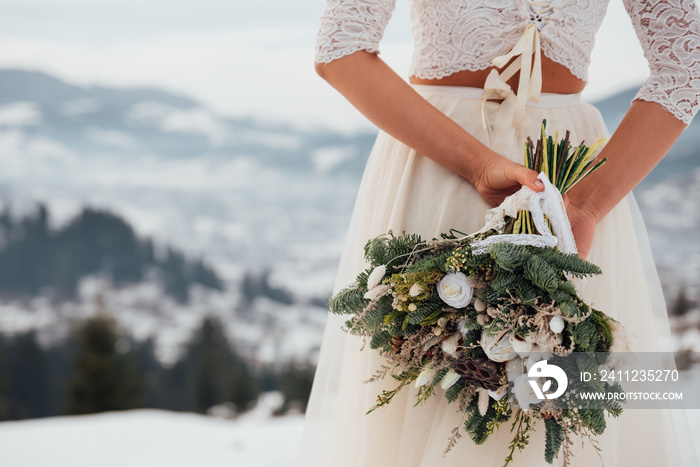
(151, 438)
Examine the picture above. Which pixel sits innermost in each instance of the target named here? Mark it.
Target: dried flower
(483, 401)
(415, 290)
(497, 347)
(425, 377)
(450, 344)
(376, 277)
(498, 395)
(377, 292)
(449, 379)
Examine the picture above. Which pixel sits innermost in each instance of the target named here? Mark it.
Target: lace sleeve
(669, 31)
(351, 25)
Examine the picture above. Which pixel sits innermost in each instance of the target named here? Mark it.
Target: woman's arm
(644, 136)
(395, 107)
(669, 32)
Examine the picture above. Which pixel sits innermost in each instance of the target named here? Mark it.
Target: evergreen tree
(243, 387)
(153, 373)
(26, 378)
(295, 383)
(105, 377)
(3, 384)
(682, 305)
(210, 356)
(214, 372)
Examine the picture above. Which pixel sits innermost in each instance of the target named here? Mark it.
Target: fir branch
(380, 340)
(431, 262)
(571, 263)
(350, 300)
(541, 274)
(554, 436)
(453, 391)
(423, 311)
(594, 419)
(509, 256)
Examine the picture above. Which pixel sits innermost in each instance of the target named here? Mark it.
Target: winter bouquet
(477, 318)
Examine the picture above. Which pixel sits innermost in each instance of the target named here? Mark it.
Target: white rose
(377, 292)
(376, 277)
(454, 290)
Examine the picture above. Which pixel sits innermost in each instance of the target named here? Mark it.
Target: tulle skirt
(402, 190)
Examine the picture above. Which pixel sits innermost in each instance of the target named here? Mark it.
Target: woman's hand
(498, 177)
(583, 223)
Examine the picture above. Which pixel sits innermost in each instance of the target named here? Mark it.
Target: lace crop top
(456, 35)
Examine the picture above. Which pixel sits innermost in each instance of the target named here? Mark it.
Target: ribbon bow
(528, 60)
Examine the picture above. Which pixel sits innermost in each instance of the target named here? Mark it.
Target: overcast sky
(252, 57)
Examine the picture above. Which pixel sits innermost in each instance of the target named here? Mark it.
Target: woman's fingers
(520, 175)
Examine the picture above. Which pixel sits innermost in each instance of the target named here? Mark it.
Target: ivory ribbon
(545, 203)
(528, 60)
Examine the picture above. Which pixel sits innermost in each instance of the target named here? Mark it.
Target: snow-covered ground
(150, 438)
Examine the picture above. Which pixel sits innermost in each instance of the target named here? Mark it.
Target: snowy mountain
(247, 196)
(253, 198)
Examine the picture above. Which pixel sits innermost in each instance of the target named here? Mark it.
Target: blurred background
(175, 185)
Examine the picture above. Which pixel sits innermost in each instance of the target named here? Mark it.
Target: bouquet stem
(565, 166)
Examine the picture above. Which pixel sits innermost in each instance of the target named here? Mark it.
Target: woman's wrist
(475, 161)
(584, 204)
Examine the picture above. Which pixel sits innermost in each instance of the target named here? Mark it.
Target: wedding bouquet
(475, 317)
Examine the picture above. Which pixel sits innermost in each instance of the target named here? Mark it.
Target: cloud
(113, 138)
(20, 114)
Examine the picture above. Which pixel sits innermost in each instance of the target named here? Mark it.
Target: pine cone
(480, 371)
(396, 343)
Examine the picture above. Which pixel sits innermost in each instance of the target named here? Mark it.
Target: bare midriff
(556, 78)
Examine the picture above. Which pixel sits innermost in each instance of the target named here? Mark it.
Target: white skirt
(402, 190)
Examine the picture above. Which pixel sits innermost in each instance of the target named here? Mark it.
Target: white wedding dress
(402, 190)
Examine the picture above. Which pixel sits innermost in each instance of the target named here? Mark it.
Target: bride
(484, 75)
